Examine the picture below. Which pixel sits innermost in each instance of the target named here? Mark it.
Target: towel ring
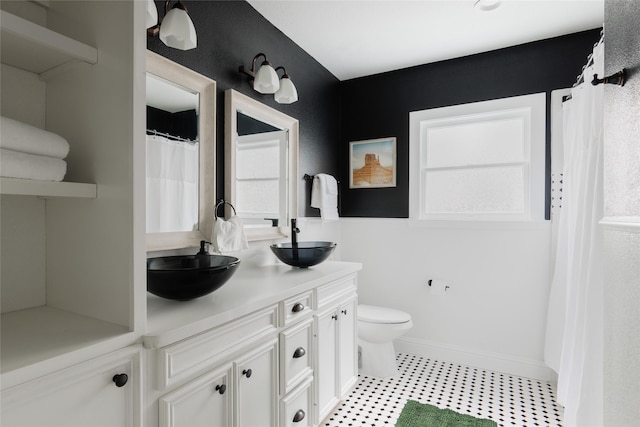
(222, 202)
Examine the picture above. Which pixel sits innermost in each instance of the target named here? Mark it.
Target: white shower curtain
(172, 185)
(574, 339)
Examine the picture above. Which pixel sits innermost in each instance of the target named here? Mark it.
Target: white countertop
(251, 288)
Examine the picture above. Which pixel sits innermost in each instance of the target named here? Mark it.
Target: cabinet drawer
(295, 408)
(295, 355)
(327, 293)
(183, 360)
(296, 308)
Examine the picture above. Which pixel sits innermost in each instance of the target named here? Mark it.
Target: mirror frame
(165, 68)
(236, 102)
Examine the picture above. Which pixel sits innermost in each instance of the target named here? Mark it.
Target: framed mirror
(261, 166)
(180, 168)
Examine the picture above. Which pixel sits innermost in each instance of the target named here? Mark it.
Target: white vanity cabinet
(252, 354)
(336, 367)
(101, 392)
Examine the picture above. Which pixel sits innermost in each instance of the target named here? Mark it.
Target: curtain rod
(618, 78)
(173, 137)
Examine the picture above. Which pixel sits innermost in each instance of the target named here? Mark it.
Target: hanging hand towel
(228, 236)
(324, 195)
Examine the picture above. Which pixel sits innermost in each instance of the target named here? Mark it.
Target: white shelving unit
(27, 187)
(39, 50)
(34, 335)
(34, 48)
(84, 243)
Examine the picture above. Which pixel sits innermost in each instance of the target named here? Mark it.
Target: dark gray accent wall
(183, 124)
(230, 34)
(378, 106)
(249, 126)
(332, 113)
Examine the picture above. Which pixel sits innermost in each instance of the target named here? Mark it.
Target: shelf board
(34, 48)
(37, 334)
(28, 187)
(43, 3)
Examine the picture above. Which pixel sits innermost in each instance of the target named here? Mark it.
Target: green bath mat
(416, 414)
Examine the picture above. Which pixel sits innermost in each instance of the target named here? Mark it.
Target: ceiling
(168, 96)
(355, 38)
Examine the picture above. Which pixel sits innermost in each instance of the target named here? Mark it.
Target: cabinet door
(203, 402)
(257, 387)
(348, 346)
(325, 366)
(79, 396)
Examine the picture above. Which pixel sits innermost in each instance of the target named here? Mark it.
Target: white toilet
(377, 328)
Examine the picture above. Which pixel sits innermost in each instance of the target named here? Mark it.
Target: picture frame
(372, 163)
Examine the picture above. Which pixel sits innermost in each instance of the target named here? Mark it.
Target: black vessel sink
(303, 254)
(186, 277)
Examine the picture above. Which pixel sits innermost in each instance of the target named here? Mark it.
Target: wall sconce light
(152, 14)
(287, 94)
(176, 29)
(266, 81)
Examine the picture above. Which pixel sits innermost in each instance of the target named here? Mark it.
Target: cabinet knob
(344, 311)
(120, 379)
(299, 353)
(299, 416)
(334, 317)
(247, 373)
(297, 307)
(221, 388)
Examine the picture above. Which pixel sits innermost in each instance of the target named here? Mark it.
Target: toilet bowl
(377, 328)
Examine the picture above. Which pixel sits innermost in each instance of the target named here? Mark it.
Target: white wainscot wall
(493, 316)
(311, 229)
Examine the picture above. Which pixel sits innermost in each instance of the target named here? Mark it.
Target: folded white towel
(228, 236)
(18, 136)
(14, 164)
(324, 195)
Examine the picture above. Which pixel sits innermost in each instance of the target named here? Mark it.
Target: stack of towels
(29, 152)
(324, 195)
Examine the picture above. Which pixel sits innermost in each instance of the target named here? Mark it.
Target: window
(260, 162)
(484, 160)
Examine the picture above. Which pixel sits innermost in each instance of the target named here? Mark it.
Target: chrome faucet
(294, 232)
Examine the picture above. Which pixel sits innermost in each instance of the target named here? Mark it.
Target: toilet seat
(381, 315)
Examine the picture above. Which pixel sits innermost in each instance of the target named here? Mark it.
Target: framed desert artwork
(372, 163)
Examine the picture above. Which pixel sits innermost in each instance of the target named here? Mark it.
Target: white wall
(494, 314)
(259, 253)
(22, 219)
(622, 217)
(310, 229)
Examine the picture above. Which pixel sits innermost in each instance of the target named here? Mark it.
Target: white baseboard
(511, 365)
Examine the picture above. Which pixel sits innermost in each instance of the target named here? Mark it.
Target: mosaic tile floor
(506, 399)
